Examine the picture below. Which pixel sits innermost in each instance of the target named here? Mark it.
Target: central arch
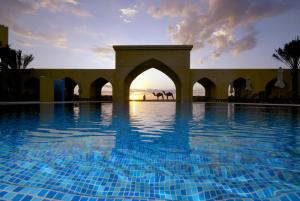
(152, 63)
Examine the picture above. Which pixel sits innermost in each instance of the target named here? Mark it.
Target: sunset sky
(80, 33)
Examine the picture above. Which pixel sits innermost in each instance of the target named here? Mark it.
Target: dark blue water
(148, 150)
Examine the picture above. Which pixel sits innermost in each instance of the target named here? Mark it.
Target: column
(46, 89)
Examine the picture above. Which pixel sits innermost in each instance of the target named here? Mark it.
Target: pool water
(149, 151)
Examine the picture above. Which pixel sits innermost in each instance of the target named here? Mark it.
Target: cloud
(59, 41)
(16, 9)
(67, 6)
(175, 8)
(127, 14)
(214, 22)
(105, 54)
(103, 51)
(246, 43)
(25, 43)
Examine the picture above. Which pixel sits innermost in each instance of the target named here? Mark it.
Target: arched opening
(31, 91)
(66, 90)
(204, 90)
(198, 92)
(271, 91)
(70, 93)
(230, 90)
(101, 89)
(152, 84)
(239, 86)
(163, 68)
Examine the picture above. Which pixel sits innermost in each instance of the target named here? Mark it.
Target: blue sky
(80, 33)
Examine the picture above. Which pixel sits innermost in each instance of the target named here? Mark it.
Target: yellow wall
(169, 59)
(3, 36)
(174, 61)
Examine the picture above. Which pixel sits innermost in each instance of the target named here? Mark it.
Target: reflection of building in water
(106, 114)
(230, 111)
(198, 111)
(79, 128)
(3, 36)
(150, 142)
(46, 113)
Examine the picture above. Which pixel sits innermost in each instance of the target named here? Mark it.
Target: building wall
(174, 61)
(220, 77)
(3, 36)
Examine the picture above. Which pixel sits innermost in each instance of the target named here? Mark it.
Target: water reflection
(155, 145)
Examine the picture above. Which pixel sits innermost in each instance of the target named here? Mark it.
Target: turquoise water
(149, 151)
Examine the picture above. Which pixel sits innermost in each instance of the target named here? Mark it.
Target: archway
(207, 87)
(239, 86)
(70, 93)
(31, 90)
(149, 84)
(101, 89)
(152, 63)
(66, 90)
(271, 91)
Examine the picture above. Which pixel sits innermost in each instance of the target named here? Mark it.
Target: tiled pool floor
(18, 193)
(104, 152)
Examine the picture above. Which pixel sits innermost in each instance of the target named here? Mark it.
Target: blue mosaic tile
(18, 197)
(2, 193)
(186, 160)
(27, 198)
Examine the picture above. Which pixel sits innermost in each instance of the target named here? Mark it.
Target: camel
(158, 95)
(168, 94)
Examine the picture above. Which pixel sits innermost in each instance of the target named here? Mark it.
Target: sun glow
(135, 96)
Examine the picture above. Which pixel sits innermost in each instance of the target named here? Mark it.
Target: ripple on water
(153, 151)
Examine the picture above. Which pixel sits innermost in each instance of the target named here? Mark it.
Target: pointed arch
(209, 86)
(271, 91)
(70, 85)
(152, 63)
(239, 86)
(96, 89)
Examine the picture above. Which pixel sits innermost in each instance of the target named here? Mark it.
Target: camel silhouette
(158, 95)
(168, 94)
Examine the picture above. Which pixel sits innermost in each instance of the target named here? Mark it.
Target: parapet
(177, 56)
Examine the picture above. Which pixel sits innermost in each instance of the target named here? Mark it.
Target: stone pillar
(186, 92)
(46, 89)
(186, 86)
(222, 90)
(118, 92)
(84, 90)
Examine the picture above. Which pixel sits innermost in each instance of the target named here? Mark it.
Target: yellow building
(132, 60)
(174, 61)
(3, 36)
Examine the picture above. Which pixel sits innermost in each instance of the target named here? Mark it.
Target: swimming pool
(149, 151)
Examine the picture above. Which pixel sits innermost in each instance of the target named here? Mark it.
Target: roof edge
(152, 47)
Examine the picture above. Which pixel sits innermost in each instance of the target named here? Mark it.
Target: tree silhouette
(23, 60)
(14, 59)
(12, 65)
(8, 58)
(290, 56)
